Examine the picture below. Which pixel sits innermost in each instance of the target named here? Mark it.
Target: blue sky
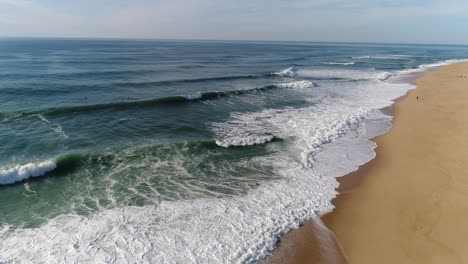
(411, 21)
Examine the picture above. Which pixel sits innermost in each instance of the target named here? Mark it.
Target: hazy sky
(404, 21)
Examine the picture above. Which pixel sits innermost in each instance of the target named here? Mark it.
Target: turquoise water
(140, 124)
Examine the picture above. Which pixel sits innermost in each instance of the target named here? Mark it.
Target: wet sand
(410, 204)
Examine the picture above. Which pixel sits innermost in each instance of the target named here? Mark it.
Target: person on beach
(417, 97)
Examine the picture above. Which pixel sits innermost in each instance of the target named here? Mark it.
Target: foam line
(55, 127)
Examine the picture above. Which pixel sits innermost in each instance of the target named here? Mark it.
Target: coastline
(407, 204)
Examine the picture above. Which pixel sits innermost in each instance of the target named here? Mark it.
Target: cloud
(314, 20)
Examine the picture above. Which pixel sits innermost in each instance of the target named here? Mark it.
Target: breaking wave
(311, 126)
(333, 74)
(23, 172)
(289, 72)
(19, 173)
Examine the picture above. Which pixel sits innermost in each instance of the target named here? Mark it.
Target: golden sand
(411, 204)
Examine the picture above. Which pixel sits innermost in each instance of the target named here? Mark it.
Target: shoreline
(373, 217)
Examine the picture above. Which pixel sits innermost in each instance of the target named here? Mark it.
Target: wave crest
(23, 172)
(19, 173)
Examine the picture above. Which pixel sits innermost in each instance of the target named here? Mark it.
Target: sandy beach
(410, 204)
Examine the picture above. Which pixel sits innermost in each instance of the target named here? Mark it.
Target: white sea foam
(289, 72)
(406, 75)
(343, 74)
(361, 57)
(442, 63)
(23, 172)
(247, 140)
(337, 109)
(238, 229)
(195, 96)
(298, 85)
(334, 73)
(235, 230)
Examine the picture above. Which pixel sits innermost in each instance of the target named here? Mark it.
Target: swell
(172, 100)
(71, 75)
(57, 87)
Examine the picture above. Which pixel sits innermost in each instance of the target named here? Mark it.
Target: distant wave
(197, 80)
(58, 87)
(334, 74)
(361, 57)
(200, 96)
(338, 63)
(294, 59)
(289, 72)
(384, 57)
(89, 74)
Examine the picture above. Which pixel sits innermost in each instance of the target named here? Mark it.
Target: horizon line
(229, 40)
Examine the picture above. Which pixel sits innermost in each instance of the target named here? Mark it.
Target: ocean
(159, 151)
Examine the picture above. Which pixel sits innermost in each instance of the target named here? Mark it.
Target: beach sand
(411, 202)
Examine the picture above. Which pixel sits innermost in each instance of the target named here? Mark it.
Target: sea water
(126, 151)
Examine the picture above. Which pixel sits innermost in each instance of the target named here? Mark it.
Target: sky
(375, 21)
